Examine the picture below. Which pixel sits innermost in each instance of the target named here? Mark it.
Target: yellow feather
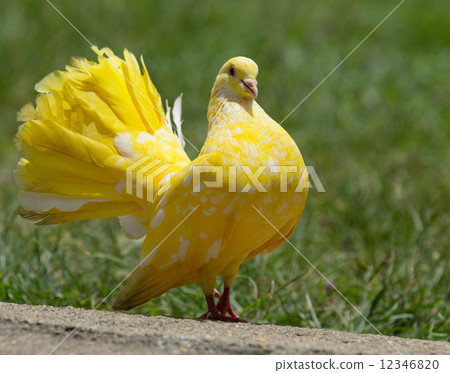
(67, 142)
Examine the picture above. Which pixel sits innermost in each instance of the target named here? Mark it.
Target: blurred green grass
(377, 133)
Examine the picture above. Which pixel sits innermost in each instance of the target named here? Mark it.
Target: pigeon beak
(251, 86)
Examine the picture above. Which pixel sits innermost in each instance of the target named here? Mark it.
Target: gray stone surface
(28, 329)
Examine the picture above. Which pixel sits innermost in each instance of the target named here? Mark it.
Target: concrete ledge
(28, 329)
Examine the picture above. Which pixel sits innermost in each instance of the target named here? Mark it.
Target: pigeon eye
(232, 71)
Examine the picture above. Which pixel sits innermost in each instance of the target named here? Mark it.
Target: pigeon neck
(225, 107)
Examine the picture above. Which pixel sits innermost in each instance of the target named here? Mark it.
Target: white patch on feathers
(228, 209)
(163, 200)
(143, 137)
(42, 202)
(157, 219)
(176, 115)
(133, 227)
(213, 251)
(181, 255)
(123, 144)
(119, 162)
(120, 186)
(184, 244)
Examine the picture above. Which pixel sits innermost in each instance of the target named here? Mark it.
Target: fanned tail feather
(89, 124)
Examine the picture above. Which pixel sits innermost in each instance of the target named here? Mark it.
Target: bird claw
(220, 317)
(223, 307)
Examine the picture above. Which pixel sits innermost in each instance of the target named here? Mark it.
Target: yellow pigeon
(98, 144)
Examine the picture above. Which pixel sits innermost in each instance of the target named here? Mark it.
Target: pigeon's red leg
(224, 305)
(212, 310)
(214, 314)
